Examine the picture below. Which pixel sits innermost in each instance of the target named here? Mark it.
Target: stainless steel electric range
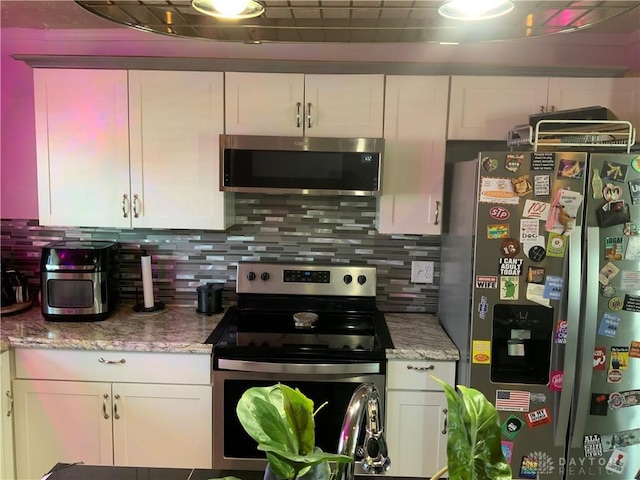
(311, 326)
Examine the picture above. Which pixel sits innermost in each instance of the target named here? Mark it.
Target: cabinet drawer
(113, 366)
(416, 374)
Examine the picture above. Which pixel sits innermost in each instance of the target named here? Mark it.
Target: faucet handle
(376, 458)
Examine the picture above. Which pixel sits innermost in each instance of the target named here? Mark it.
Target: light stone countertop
(416, 336)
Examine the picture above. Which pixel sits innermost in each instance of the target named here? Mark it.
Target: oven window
(70, 293)
(237, 444)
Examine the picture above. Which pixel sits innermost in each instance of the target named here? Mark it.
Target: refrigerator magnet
(489, 164)
(481, 352)
(509, 287)
(500, 230)
(513, 161)
(599, 405)
(630, 280)
(507, 450)
(561, 331)
(631, 303)
(600, 358)
(570, 169)
(555, 380)
(512, 400)
(543, 161)
(529, 467)
(541, 185)
(535, 293)
(635, 163)
(619, 357)
(512, 426)
(592, 445)
(614, 171)
(626, 438)
(608, 325)
(616, 462)
(498, 190)
(634, 349)
(613, 248)
(607, 273)
(614, 376)
(536, 253)
(538, 417)
(522, 185)
(556, 245)
(553, 285)
(536, 209)
(499, 213)
(511, 266)
(633, 249)
(483, 307)
(510, 247)
(615, 304)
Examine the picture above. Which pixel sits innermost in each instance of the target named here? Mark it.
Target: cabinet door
(264, 103)
(162, 425)
(344, 105)
(416, 432)
(487, 108)
(7, 466)
(176, 119)
(413, 163)
(82, 143)
(620, 95)
(61, 422)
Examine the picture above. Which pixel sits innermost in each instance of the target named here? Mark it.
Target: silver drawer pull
(116, 415)
(111, 362)
(10, 397)
(420, 369)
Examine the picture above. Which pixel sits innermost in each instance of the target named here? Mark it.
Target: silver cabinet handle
(553, 108)
(446, 417)
(309, 115)
(125, 205)
(111, 362)
(298, 106)
(437, 213)
(116, 415)
(105, 398)
(10, 397)
(136, 203)
(420, 369)
(541, 108)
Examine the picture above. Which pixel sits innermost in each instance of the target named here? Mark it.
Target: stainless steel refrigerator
(540, 291)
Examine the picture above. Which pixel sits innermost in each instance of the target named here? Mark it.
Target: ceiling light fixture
(475, 9)
(229, 9)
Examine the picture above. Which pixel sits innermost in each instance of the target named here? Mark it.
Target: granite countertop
(182, 330)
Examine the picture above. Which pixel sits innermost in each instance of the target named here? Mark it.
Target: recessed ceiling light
(475, 9)
(229, 9)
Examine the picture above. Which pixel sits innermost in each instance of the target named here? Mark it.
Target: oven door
(332, 383)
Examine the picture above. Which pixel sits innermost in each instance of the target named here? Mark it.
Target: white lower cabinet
(110, 422)
(416, 416)
(7, 463)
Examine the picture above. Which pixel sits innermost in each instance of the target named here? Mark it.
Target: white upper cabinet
(297, 104)
(130, 149)
(82, 145)
(176, 119)
(413, 162)
(487, 108)
(620, 95)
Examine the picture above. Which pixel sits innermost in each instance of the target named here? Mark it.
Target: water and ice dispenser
(521, 344)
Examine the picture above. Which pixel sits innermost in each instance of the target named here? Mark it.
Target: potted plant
(281, 420)
(474, 450)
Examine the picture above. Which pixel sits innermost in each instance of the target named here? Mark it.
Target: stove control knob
(347, 279)
(362, 279)
(264, 276)
(251, 276)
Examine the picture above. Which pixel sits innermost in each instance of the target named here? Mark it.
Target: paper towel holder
(148, 305)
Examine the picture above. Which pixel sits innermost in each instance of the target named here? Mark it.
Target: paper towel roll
(147, 280)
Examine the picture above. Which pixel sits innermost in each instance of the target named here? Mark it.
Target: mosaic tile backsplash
(268, 227)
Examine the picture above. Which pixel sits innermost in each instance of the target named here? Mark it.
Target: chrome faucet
(365, 399)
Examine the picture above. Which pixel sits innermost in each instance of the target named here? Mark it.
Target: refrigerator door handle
(574, 286)
(587, 340)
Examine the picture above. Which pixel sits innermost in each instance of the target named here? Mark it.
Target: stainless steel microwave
(302, 165)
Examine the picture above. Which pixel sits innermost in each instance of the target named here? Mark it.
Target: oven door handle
(300, 368)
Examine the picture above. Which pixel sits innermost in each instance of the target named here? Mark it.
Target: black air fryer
(78, 280)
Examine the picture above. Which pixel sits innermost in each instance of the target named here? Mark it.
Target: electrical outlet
(422, 272)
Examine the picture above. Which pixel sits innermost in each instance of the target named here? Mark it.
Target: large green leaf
(261, 413)
(473, 445)
(299, 411)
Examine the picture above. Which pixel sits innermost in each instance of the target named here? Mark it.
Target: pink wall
(18, 182)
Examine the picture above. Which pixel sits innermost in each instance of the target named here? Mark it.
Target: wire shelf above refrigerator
(574, 133)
